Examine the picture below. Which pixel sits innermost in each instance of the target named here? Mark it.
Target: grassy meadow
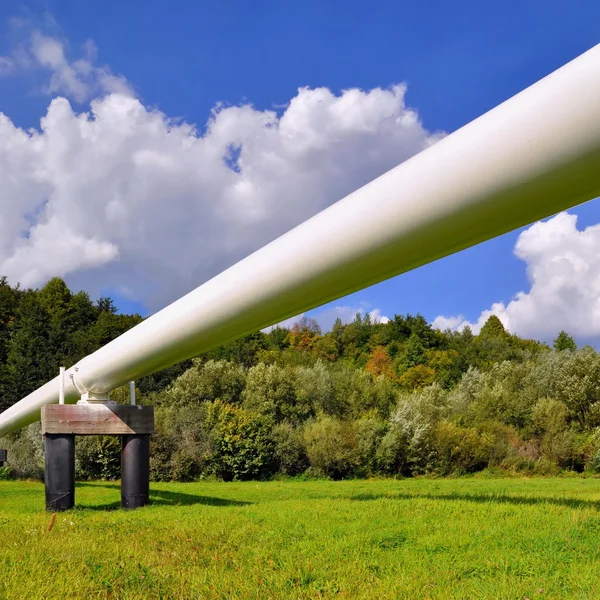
(417, 538)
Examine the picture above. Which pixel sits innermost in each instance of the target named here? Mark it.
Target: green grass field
(462, 538)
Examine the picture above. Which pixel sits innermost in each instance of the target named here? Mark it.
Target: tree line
(364, 399)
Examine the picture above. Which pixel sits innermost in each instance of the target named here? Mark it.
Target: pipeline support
(62, 422)
(60, 471)
(135, 470)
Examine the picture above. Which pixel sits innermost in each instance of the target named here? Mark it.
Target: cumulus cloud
(123, 197)
(563, 268)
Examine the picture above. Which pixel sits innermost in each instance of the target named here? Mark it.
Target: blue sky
(458, 60)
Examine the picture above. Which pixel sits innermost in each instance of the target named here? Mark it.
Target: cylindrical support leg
(135, 470)
(60, 471)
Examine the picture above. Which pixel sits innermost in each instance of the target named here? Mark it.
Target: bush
(546, 467)
(461, 449)
(97, 457)
(574, 379)
(593, 463)
(505, 441)
(180, 449)
(370, 431)
(290, 451)
(242, 447)
(407, 448)
(549, 416)
(332, 447)
(26, 452)
(6, 473)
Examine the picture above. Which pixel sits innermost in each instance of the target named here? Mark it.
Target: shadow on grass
(484, 499)
(162, 498)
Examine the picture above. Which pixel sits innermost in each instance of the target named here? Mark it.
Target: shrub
(370, 431)
(242, 447)
(572, 378)
(332, 447)
(407, 447)
(26, 452)
(593, 463)
(181, 445)
(290, 451)
(461, 449)
(98, 457)
(545, 466)
(6, 473)
(549, 416)
(505, 441)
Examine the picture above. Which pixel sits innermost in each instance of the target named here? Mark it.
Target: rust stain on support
(97, 419)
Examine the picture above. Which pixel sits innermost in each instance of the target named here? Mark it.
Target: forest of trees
(365, 399)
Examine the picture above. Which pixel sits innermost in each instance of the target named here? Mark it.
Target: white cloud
(6, 65)
(455, 323)
(79, 79)
(563, 267)
(124, 198)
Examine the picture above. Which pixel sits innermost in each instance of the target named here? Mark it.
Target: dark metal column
(60, 471)
(135, 470)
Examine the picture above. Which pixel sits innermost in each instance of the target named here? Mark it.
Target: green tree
(31, 357)
(204, 382)
(271, 390)
(55, 298)
(564, 342)
(414, 354)
(8, 308)
(493, 328)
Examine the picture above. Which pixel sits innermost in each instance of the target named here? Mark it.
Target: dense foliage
(395, 399)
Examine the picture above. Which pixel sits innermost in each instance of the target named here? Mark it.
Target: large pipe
(530, 157)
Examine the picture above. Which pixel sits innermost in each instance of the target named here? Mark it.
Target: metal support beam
(135, 470)
(60, 471)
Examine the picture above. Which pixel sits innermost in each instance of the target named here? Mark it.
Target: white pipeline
(530, 157)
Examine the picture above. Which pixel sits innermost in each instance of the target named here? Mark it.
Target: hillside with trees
(364, 399)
